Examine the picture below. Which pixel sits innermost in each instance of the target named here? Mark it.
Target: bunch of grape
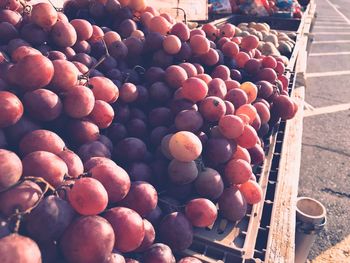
(122, 130)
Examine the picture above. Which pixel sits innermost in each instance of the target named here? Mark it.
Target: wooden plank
(281, 241)
(195, 10)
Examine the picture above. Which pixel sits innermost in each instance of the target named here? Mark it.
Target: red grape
(10, 169)
(11, 108)
(201, 212)
(209, 184)
(212, 108)
(232, 198)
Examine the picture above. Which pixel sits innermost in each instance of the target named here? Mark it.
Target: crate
(246, 241)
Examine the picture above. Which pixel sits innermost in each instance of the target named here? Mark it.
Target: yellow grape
(248, 110)
(185, 146)
(251, 90)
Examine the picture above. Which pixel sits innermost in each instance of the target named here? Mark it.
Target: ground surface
(325, 165)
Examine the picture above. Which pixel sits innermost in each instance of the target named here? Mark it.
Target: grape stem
(18, 215)
(86, 75)
(185, 15)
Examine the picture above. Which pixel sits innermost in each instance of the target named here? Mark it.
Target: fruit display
(122, 131)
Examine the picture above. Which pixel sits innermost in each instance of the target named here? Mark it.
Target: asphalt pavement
(325, 164)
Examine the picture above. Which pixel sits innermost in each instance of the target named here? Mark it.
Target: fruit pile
(122, 130)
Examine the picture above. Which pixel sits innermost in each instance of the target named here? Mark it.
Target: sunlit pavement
(325, 166)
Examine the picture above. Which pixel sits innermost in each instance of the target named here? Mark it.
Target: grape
(205, 77)
(30, 79)
(138, 34)
(250, 42)
(217, 88)
(142, 198)
(114, 178)
(189, 260)
(154, 74)
(284, 107)
(232, 84)
(160, 92)
(104, 89)
(73, 162)
(88, 196)
(249, 110)
(209, 184)
(257, 154)
(221, 72)
(236, 75)
(131, 149)
(10, 16)
(172, 44)
(176, 231)
(230, 108)
(140, 171)
(34, 34)
(118, 50)
(265, 89)
(149, 236)
(267, 74)
(241, 59)
(128, 92)
(44, 15)
(126, 28)
(230, 49)
(21, 197)
(158, 253)
(97, 33)
(102, 114)
(188, 120)
(242, 153)
(185, 146)
(280, 68)
(17, 248)
(93, 228)
(162, 59)
(251, 191)
(263, 111)
(210, 58)
(160, 117)
(182, 172)
(194, 89)
(134, 45)
(7, 32)
(232, 198)
(93, 149)
(115, 258)
(212, 108)
(49, 219)
(155, 216)
(96, 161)
(269, 62)
(128, 228)
(22, 52)
(231, 126)
(185, 52)
(285, 82)
(201, 212)
(78, 102)
(82, 47)
(82, 131)
(131, 260)
(137, 128)
(42, 104)
(218, 150)
(199, 44)
(159, 24)
(181, 31)
(65, 75)
(248, 138)
(15, 132)
(85, 59)
(167, 17)
(175, 76)
(211, 31)
(10, 169)
(228, 30)
(165, 146)
(237, 171)
(63, 34)
(46, 165)
(197, 31)
(252, 66)
(11, 108)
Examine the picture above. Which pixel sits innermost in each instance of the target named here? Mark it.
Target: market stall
(122, 127)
